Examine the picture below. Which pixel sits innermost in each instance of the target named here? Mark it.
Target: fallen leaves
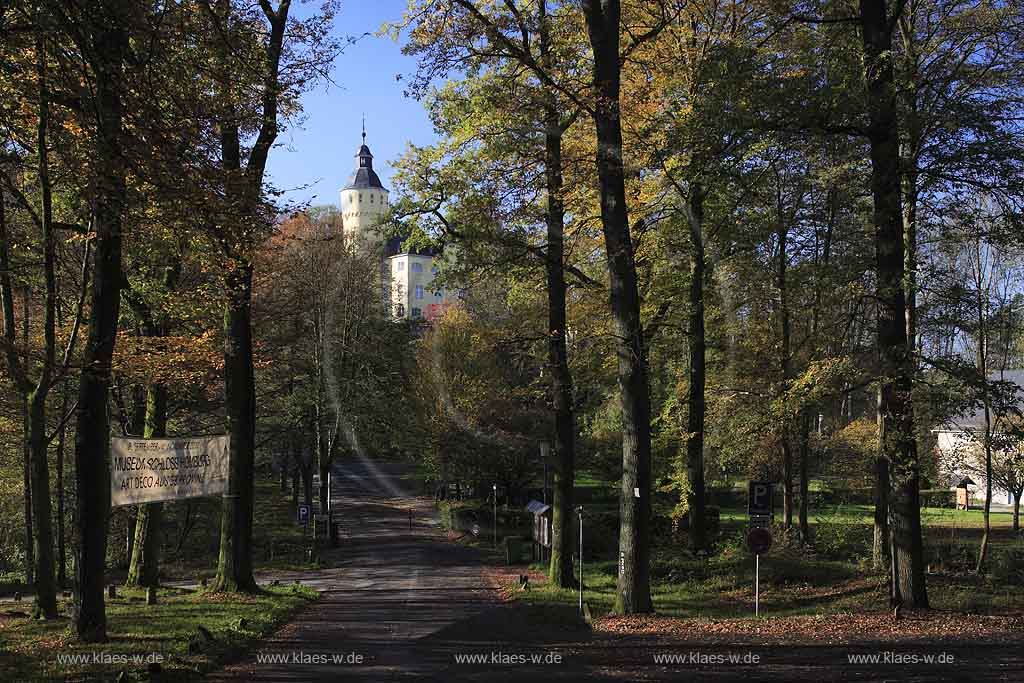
(831, 629)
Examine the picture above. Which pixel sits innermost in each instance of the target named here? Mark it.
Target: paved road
(401, 604)
(408, 605)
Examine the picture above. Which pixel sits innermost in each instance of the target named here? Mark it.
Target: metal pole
(580, 511)
(494, 487)
(757, 585)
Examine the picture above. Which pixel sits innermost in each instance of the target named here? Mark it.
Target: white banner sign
(152, 470)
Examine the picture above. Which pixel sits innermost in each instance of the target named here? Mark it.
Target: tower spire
(364, 129)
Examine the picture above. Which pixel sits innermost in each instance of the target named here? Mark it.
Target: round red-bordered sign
(759, 540)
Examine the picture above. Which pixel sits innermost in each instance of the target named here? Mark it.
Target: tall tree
(895, 413)
(287, 55)
(633, 592)
(529, 52)
(102, 35)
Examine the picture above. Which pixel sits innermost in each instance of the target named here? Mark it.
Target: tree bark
(30, 545)
(782, 233)
(695, 503)
(560, 569)
(880, 546)
(108, 39)
(234, 567)
(894, 409)
(243, 189)
(144, 569)
(62, 560)
(804, 474)
(634, 593)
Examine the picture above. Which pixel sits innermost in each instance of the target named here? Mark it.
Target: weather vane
(364, 129)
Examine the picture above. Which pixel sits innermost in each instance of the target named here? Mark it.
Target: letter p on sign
(759, 499)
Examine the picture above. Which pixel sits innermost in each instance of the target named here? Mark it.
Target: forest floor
(141, 634)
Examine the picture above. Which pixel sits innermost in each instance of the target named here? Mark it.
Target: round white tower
(364, 199)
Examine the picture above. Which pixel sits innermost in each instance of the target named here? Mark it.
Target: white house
(960, 442)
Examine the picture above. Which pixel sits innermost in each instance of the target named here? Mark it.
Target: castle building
(408, 275)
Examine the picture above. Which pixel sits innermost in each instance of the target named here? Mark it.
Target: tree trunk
(283, 464)
(634, 592)
(787, 451)
(30, 548)
(30, 561)
(1016, 511)
(560, 570)
(46, 589)
(234, 566)
(695, 503)
(894, 410)
(243, 189)
(144, 569)
(296, 471)
(805, 447)
(62, 560)
(108, 36)
(880, 546)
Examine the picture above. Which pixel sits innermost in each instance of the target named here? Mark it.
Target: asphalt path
(408, 604)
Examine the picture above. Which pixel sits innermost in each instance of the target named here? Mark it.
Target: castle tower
(364, 200)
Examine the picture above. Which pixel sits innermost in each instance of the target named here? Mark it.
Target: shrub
(1007, 565)
(835, 537)
(938, 498)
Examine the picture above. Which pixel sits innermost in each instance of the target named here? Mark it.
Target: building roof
(974, 418)
(364, 176)
(393, 247)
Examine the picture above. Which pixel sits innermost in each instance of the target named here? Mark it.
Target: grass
(29, 648)
(865, 514)
(833, 578)
(791, 584)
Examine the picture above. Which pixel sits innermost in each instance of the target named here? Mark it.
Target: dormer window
(363, 162)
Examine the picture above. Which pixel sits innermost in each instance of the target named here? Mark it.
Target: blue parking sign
(303, 513)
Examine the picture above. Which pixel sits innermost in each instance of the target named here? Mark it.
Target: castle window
(417, 267)
(419, 292)
(400, 265)
(416, 312)
(371, 199)
(360, 196)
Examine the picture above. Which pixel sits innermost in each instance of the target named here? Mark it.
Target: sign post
(579, 511)
(760, 505)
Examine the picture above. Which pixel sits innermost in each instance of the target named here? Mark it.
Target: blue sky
(314, 159)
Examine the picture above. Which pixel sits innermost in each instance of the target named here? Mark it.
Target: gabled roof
(393, 247)
(975, 417)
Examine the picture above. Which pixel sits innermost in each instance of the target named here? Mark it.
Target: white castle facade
(408, 275)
